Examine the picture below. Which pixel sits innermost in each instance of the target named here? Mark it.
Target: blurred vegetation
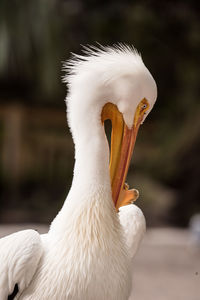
(37, 151)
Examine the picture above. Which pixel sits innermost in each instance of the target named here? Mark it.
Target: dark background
(36, 148)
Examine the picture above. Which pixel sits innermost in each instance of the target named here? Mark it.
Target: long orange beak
(122, 145)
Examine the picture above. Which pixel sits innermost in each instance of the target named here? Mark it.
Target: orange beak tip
(136, 194)
(127, 197)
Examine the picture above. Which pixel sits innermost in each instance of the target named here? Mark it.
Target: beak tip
(136, 194)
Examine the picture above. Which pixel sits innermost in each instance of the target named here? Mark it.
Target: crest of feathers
(119, 57)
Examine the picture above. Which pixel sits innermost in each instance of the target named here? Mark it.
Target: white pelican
(87, 252)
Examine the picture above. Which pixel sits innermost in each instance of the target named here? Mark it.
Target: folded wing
(20, 254)
(134, 226)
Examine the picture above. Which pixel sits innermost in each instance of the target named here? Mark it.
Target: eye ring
(144, 106)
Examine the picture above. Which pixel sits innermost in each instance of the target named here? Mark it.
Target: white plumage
(19, 258)
(87, 252)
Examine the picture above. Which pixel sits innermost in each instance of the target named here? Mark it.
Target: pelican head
(110, 83)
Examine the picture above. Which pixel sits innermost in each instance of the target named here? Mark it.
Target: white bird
(87, 252)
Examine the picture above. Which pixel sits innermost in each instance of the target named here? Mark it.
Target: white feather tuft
(97, 54)
(108, 74)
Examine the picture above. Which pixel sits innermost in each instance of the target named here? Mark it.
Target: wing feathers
(134, 226)
(20, 254)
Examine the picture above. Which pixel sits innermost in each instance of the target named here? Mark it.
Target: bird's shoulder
(20, 254)
(134, 226)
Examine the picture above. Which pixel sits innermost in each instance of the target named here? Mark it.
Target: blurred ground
(167, 266)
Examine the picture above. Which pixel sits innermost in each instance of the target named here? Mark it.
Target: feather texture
(19, 258)
(87, 252)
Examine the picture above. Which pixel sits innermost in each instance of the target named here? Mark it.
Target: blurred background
(37, 153)
(36, 149)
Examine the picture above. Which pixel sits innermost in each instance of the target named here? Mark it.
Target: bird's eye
(144, 106)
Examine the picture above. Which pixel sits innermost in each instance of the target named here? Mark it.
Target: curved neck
(91, 185)
(91, 145)
(91, 159)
